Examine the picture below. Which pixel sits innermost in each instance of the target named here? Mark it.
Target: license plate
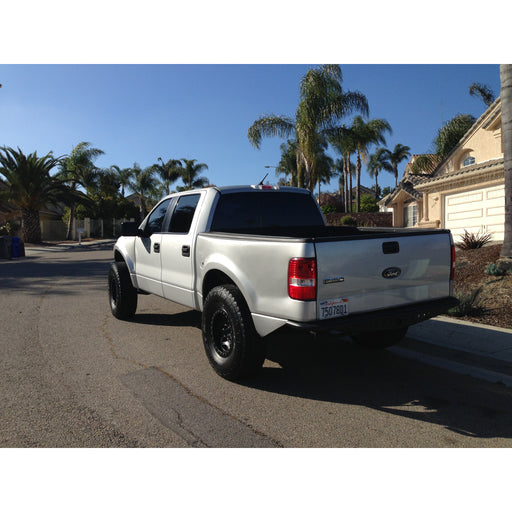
(333, 308)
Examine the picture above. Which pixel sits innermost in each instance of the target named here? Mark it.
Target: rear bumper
(392, 318)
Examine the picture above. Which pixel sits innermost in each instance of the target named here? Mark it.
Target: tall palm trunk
(142, 207)
(350, 205)
(506, 130)
(310, 182)
(346, 173)
(299, 171)
(70, 221)
(358, 182)
(31, 226)
(395, 171)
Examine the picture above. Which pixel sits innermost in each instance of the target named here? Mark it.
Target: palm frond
(270, 126)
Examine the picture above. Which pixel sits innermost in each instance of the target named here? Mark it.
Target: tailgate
(359, 275)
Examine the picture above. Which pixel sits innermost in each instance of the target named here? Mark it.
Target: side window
(155, 220)
(184, 213)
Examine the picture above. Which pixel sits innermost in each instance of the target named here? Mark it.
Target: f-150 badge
(331, 280)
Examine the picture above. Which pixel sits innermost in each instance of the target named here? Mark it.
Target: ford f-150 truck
(256, 259)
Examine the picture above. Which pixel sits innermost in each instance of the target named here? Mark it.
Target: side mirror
(130, 229)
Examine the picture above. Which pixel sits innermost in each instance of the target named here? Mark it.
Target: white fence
(53, 230)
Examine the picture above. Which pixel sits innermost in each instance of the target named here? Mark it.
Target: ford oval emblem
(391, 273)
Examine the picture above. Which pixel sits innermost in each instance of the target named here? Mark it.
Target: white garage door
(477, 211)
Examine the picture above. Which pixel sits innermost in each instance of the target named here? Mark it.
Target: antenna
(261, 182)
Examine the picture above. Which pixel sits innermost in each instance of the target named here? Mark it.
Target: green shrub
(493, 270)
(469, 304)
(473, 241)
(348, 221)
(368, 203)
(328, 208)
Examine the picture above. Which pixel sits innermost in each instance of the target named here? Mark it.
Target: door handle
(185, 251)
(156, 247)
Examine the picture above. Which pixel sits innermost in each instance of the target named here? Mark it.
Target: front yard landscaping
(488, 298)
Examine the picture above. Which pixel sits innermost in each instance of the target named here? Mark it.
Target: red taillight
(452, 273)
(302, 278)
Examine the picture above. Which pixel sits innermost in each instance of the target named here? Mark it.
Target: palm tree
(445, 140)
(337, 169)
(31, 187)
(365, 134)
(189, 175)
(325, 167)
(343, 142)
(168, 172)
(123, 176)
(78, 170)
(506, 127)
(483, 92)
(322, 104)
(288, 163)
(378, 162)
(395, 157)
(143, 183)
(450, 134)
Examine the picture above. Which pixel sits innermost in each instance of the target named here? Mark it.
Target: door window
(156, 218)
(181, 219)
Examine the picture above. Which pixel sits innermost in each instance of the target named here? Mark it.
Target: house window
(470, 160)
(410, 215)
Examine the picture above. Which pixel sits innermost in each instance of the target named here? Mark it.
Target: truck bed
(328, 233)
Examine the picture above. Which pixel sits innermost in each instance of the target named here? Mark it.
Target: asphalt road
(74, 376)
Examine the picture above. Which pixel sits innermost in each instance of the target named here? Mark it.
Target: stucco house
(465, 191)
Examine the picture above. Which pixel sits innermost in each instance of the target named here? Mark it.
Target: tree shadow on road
(332, 370)
(35, 276)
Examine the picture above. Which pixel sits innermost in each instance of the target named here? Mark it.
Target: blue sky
(137, 113)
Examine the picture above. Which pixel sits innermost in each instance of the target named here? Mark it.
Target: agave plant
(470, 241)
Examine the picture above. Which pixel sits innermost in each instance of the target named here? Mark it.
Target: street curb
(453, 366)
(465, 336)
(478, 350)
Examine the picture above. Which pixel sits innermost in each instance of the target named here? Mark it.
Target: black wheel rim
(222, 334)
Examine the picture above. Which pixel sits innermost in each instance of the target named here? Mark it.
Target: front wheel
(232, 345)
(379, 339)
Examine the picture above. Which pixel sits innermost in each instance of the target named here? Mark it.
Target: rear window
(251, 211)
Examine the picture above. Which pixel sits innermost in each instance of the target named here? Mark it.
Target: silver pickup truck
(260, 258)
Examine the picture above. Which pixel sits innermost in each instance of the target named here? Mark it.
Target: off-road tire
(122, 295)
(379, 340)
(233, 347)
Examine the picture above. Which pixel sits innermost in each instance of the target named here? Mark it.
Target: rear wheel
(379, 339)
(122, 294)
(232, 345)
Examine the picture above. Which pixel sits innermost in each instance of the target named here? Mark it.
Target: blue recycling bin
(15, 247)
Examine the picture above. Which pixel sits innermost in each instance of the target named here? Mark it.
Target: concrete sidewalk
(470, 337)
(478, 350)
